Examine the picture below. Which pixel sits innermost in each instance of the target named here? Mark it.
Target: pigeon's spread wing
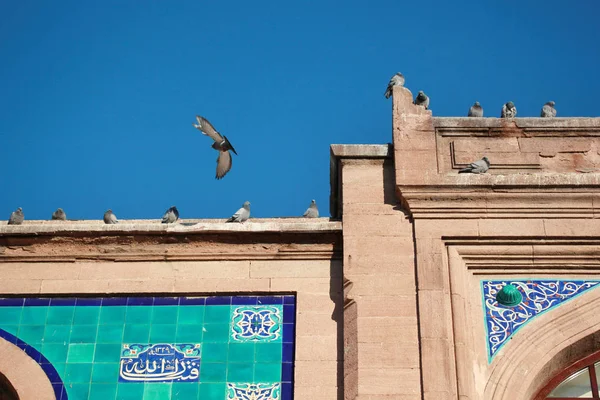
(207, 129)
(223, 164)
(237, 214)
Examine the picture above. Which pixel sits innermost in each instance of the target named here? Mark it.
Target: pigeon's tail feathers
(231, 219)
(229, 145)
(462, 171)
(388, 92)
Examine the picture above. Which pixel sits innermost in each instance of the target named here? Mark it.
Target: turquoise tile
(32, 315)
(241, 352)
(189, 334)
(108, 353)
(190, 315)
(211, 391)
(84, 333)
(136, 333)
(77, 391)
(105, 372)
(31, 334)
(80, 353)
(11, 315)
(60, 367)
(157, 391)
(110, 334)
(113, 315)
(55, 352)
(86, 315)
(78, 373)
(217, 315)
(240, 372)
(138, 314)
(267, 372)
(103, 391)
(57, 333)
(215, 352)
(213, 372)
(130, 391)
(268, 352)
(60, 315)
(164, 315)
(184, 391)
(12, 329)
(216, 333)
(162, 333)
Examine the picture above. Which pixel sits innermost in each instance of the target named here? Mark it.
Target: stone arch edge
(25, 374)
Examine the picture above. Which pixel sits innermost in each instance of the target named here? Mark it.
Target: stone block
(317, 373)
(317, 347)
(293, 269)
(385, 286)
(390, 354)
(211, 269)
(511, 227)
(221, 285)
(389, 381)
(377, 329)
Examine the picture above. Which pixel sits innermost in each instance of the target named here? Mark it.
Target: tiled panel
(221, 348)
(538, 297)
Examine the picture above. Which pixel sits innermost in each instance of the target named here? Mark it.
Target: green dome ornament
(509, 296)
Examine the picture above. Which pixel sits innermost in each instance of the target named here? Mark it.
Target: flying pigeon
(509, 110)
(548, 110)
(242, 214)
(312, 211)
(171, 215)
(110, 218)
(59, 214)
(16, 217)
(476, 110)
(422, 100)
(477, 167)
(221, 144)
(396, 80)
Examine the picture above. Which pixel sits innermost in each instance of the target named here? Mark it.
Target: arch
(7, 390)
(545, 347)
(25, 375)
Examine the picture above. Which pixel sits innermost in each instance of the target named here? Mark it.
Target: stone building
(424, 284)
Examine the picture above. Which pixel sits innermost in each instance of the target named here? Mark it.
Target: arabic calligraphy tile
(60, 315)
(105, 372)
(213, 372)
(140, 301)
(84, 333)
(63, 301)
(217, 314)
(244, 300)
(30, 301)
(192, 301)
(130, 391)
(11, 302)
(160, 362)
(85, 301)
(103, 391)
(289, 300)
(287, 354)
(136, 333)
(110, 334)
(86, 315)
(268, 300)
(188, 333)
(288, 333)
(106, 353)
(32, 334)
(267, 372)
(215, 333)
(210, 391)
(260, 323)
(163, 333)
(112, 315)
(287, 372)
(138, 315)
(268, 352)
(57, 333)
(253, 391)
(80, 353)
(289, 314)
(78, 373)
(241, 352)
(166, 301)
(218, 300)
(79, 390)
(190, 315)
(114, 301)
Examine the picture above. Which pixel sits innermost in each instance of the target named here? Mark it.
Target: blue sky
(97, 99)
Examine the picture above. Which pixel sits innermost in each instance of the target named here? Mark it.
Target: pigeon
(16, 217)
(509, 110)
(396, 80)
(221, 144)
(477, 167)
(59, 214)
(312, 211)
(110, 218)
(476, 110)
(548, 110)
(422, 100)
(242, 214)
(171, 215)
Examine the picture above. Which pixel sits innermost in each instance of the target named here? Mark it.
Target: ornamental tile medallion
(256, 323)
(160, 363)
(253, 391)
(538, 296)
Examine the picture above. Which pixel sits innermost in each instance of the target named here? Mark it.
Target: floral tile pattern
(253, 391)
(539, 296)
(257, 324)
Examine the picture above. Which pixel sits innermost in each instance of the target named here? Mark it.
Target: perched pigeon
(478, 167)
(221, 144)
(242, 214)
(110, 218)
(476, 110)
(397, 80)
(312, 211)
(422, 100)
(171, 215)
(59, 214)
(509, 110)
(16, 217)
(548, 111)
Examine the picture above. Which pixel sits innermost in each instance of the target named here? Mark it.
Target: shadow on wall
(338, 315)
(7, 391)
